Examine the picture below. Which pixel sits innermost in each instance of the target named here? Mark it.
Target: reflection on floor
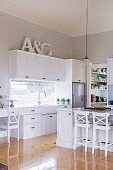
(3, 167)
(41, 154)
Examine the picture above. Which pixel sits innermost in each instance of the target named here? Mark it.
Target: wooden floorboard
(41, 154)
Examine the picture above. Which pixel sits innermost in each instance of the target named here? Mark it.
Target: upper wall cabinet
(110, 71)
(78, 71)
(34, 66)
(25, 65)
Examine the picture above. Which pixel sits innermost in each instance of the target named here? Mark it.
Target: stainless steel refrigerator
(78, 95)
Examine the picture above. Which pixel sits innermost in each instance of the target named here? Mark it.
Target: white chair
(12, 123)
(101, 123)
(81, 120)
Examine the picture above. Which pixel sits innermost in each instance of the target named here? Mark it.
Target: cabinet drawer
(31, 130)
(31, 118)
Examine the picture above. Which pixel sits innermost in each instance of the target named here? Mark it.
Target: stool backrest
(13, 117)
(81, 117)
(100, 119)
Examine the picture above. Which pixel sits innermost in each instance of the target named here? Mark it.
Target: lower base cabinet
(33, 125)
(49, 123)
(64, 128)
(31, 130)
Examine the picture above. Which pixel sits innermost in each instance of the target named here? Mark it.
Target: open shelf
(99, 103)
(101, 74)
(99, 85)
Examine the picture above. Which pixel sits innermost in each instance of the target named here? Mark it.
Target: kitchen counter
(65, 128)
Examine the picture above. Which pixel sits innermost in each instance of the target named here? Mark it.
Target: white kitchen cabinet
(49, 123)
(27, 65)
(78, 71)
(31, 130)
(30, 123)
(64, 128)
(53, 69)
(60, 70)
(49, 68)
(53, 122)
(110, 71)
(18, 65)
(45, 124)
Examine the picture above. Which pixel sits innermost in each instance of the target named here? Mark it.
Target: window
(30, 93)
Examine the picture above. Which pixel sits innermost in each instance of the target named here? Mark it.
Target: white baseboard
(65, 144)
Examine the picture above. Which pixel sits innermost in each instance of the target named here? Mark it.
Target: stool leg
(18, 133)
(75, 137)
(94, 138)
(8, 135)
(106, 144)
(86, 139)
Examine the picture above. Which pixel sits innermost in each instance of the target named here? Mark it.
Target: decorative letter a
(27, 46)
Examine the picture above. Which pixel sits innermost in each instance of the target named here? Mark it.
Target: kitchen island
(65, 128)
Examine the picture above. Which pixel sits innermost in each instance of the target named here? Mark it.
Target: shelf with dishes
(99, 71)
(98, 86)
(98, 99)
(101, 74)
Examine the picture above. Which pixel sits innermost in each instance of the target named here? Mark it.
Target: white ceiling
(66, 16)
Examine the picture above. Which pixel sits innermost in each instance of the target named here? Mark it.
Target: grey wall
(12, 33)
(100, 47)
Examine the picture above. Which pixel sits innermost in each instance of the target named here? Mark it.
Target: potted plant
(62, 100)
(58, 101)
(68, 101)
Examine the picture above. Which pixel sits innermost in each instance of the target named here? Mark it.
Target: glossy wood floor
(41, 154)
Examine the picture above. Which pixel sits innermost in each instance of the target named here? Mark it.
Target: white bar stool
(81, 120)
(101, 122)
(12, 123)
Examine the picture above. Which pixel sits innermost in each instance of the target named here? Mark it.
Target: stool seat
(81, 120)
(101, 122)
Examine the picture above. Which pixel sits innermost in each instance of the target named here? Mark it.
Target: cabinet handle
(32, 110)
(26, 77)
(69, 113)
(79, 80)
(44, 78)
(32, 127)
(32, 118)
(58, 79)
(50, 116)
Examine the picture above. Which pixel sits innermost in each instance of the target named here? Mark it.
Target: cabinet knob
(79, 80)
(50, 116)
(32, 118)
(32, 110)
(26, 77)
(44, 78)
(69, 113)
(58, 79)
(32, 127)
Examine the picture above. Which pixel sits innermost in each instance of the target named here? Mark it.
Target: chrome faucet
(44, 93)
(39, 102)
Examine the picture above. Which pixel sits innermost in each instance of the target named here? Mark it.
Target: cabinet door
(39, 67)
(64, 126)
(53, 119)
(110, 71)
(31, 66)
(49, 68)
(78, 71)
(60, 70)
(21, 66)
(45, 124)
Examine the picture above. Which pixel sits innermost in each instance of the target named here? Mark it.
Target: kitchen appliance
(78, 94)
